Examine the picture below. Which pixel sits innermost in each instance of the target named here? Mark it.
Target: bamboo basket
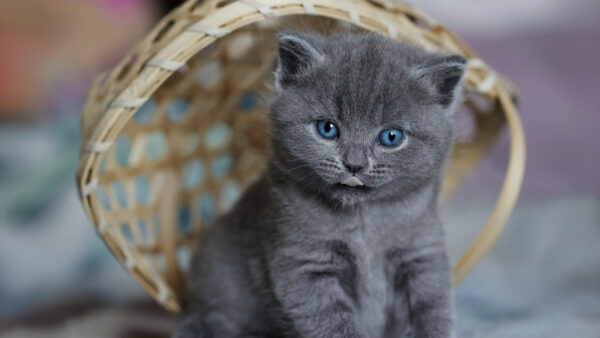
(158, 160)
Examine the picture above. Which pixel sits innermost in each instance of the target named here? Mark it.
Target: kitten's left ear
(444, 73)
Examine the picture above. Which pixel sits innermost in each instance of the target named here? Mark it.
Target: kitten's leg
(221, 302)
(209, 325)
(315, 292)
(192, 326)
(424, 277)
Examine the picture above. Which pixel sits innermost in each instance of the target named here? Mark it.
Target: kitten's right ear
(444, 73)
(297, 52)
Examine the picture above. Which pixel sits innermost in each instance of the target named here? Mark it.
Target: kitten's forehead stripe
(368, 79)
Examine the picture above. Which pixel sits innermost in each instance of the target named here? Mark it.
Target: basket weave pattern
(177, 129)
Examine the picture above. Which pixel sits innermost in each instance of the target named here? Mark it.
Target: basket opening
(186, 130)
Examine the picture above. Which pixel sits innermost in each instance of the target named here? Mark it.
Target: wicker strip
(212, 31)
(477, 63)
(391, 30)
(309, 8)
(354, 16)
(163, 293)
(102, 226)
(264, 10)
(129, 261)
(133, 102)
(169, 65)
(98, 147)
(90, 187)
(487, 84)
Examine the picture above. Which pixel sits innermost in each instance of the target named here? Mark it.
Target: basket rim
(380, 17)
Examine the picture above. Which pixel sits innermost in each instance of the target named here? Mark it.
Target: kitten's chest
(370, 243)
(368, 236)
(372, 280)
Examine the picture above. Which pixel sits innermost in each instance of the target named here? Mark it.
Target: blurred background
(542, 279)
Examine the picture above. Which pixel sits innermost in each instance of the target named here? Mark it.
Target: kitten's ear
(444, 73)
(297, 52)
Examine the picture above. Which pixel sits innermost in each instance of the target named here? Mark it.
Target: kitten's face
(359, 117)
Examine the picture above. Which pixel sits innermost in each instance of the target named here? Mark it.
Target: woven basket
(159, 162)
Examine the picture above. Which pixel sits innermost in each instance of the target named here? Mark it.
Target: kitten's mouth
(352, 181)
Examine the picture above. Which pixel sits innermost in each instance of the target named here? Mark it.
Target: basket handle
(508, 195)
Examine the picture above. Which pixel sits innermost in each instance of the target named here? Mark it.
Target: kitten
(341, 236)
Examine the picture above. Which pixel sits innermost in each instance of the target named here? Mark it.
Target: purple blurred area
(558, 77)
(542, 279)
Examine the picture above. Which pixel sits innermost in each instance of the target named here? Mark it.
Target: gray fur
(301, 255)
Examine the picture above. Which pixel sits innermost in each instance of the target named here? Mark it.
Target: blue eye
(390, 137)
(327, 129)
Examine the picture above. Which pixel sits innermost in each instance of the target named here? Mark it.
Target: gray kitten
(341, 236)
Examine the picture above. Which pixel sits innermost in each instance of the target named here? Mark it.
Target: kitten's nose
(353, 167)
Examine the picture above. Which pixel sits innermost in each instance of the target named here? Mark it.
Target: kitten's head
(360, 117)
